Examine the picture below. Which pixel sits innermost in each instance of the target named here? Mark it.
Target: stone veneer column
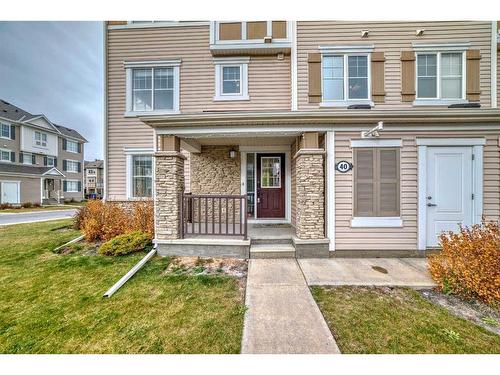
(310, 194)
(169, 184)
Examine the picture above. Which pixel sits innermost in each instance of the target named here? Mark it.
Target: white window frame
(214, 33)
(130, 65)
(30, 158)
(345, 52)
(42, 143)
(438, 49)
(72, 191)
(52, 163)
(67, 165)
(2, 124)
(242, 63)
(378, 221)
(68, 142)
(130, 175)
(4, 160)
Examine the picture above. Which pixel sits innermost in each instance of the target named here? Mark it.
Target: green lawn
(375, 320)
(53, 303)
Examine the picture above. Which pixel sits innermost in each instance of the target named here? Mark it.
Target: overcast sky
(55, 68)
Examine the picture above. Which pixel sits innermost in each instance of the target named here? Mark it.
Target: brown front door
(270, 185)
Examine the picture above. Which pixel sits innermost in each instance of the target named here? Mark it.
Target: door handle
(431, 204)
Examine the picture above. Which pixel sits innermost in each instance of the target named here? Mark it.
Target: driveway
(33, 217)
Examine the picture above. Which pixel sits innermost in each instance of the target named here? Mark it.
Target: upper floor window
(71, 146)
(153, 87)
(6, 155)
(50, 161)
(71, 166)
(440, 75)
(345, 77)
(27, 158)
(231, 79)
(90, 171)
(7, 131)
(250, 31)
(40, 139)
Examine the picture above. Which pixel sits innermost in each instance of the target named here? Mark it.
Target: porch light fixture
(232, 153)
(373, 133)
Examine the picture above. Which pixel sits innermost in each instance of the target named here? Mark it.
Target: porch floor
(255, 231)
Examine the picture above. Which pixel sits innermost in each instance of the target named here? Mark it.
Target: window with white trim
(71, 166)
(71, 186)
(40, 139)
(231, 79)
(5, 155)
(51, 161)
(345, 77)
(440, 75)
(71, 146)
(5, 131)
(152, 87)
(142, 176)
(27, 158)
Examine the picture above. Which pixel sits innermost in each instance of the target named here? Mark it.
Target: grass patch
(383, 320)
(52, 303)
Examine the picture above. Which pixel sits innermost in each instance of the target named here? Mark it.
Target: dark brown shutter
(21, 157)
(314, 63)
(388, 182)
(378, 79)
(13, 132)
(364, 182)
(407, 76)
(33, 159)
(473, 86)
(64, 145)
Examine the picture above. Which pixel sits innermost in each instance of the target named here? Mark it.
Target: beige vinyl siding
(390, 38)
(268, 86)
(404, 238)
(498, 77)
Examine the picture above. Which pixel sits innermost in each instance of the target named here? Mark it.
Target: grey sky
(55, 68)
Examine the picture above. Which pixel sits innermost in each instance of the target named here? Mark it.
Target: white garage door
(10, 192)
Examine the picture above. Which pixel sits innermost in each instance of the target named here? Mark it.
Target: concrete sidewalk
(404, 272)
(282, 316)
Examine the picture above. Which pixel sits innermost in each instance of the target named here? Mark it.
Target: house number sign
(343, 166)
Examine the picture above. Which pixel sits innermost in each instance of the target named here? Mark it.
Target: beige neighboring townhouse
(40, 162)
(305, 139)
(93, 182)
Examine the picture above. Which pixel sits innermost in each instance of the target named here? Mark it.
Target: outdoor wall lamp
(232, 153)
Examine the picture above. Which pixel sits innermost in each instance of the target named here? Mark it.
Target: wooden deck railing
(213, 215)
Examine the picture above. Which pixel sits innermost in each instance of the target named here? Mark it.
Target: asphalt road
(32, 217)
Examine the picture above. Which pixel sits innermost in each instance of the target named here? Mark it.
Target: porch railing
(214, 215)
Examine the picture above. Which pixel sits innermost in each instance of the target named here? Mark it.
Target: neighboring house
(93, 179)
(40, 162)
(266, 125)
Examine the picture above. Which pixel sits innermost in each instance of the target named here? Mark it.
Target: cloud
(55, 68)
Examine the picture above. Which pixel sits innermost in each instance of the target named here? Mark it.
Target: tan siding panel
(268, 86)
(390, 38)
(404, 238)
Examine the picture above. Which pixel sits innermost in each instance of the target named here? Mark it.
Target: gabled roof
(29, 169)
(13, 113)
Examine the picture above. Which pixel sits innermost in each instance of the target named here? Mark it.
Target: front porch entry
(241, 195)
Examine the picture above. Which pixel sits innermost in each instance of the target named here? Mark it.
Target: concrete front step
(272, 251)
(272, 241)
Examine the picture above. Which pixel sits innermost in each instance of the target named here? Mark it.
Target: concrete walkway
(282, 316)
(404, 272)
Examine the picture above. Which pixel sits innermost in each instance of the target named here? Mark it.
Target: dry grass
(52, 303)
(384, 320)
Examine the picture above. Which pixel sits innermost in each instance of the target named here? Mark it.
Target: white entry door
(449, 190)
(10, 192)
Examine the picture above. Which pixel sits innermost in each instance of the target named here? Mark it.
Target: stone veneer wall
(169, 182)
(310, 191)
(214, 172)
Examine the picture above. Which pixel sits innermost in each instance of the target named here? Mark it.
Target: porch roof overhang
(331, 118)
